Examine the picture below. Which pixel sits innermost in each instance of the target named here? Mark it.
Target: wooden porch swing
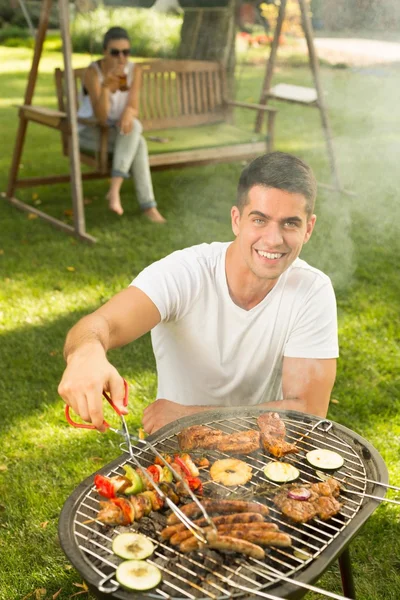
(181, 94)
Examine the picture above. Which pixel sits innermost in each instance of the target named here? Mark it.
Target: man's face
(271, 230)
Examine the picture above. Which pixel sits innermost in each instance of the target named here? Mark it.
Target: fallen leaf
(68, 567)
(32, 216)
(54, 596)
(35, 196)
(44, 524)
(71, 269)
(2, 509)
(40, 592)
(37, 202)
(3, 468)
(3, 194)
(68, 212)
(85, 589)
(1, 251)
(334, 401)
(96, 458)
(21, 166)
(28, 596)
(53, 353)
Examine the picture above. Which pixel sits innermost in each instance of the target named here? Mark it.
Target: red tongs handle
(108, 398)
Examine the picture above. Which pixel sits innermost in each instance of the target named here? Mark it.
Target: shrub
(14, 36)
(152, 33)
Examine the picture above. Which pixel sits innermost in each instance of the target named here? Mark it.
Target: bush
(152, 34)
(16, 36)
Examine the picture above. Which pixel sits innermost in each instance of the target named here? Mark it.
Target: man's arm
(126, 317)
(307, 384)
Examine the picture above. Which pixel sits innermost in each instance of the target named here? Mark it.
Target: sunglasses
(115, 52)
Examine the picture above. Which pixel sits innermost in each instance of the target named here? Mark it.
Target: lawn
(48, 280)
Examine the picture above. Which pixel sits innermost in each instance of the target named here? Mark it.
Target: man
(237, 323)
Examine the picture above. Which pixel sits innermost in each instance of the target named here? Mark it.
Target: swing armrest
(269, 109)
(271, 112)
(92, 123)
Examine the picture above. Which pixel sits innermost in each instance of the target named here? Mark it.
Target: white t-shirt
(209, 351)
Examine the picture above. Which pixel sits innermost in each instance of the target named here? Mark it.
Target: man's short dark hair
(115, 33)
(280, 171)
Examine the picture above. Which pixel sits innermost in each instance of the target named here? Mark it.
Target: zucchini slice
(325, 459)
(137, 575)
(281, 472)
(132, 546)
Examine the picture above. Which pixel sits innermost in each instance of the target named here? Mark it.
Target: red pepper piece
(182, 466)
(127, 509)
(154, 472)
(195, 485)
(104, 486)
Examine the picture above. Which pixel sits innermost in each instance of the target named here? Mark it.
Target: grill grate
(208, 574)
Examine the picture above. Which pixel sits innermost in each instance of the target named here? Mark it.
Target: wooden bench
(186, 116)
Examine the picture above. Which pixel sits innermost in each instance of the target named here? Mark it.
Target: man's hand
(161, 412)
(88, 373)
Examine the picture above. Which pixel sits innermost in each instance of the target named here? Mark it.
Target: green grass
(356, 242)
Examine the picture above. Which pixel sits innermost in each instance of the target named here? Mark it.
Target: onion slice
(299, 493)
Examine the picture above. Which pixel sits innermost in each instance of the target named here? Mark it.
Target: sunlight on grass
(356, 241)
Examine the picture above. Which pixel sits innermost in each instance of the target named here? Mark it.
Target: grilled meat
(273, 433)
(192, 510)
(206, 438)
(225, 544)
(249, 517)
(322, 502)
(239, 528)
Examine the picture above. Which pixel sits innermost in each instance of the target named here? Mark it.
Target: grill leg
(346, 574)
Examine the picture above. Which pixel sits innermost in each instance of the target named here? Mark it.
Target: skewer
(306, 586)
(317, 424)
(386, 485)
(378, 498)
(195, 529)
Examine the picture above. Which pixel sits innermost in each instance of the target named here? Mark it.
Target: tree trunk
(210, 35)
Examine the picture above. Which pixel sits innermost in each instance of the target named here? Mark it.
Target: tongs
(195, 529)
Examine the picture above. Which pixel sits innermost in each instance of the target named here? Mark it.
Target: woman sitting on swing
(107, 95)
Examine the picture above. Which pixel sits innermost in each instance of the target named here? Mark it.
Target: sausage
(219, 506)
(240, 528)
(227, 543)
(250, 517)
(248, 527)
(224, 543)
(263, 538)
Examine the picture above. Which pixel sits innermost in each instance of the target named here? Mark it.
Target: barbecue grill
(208, 575)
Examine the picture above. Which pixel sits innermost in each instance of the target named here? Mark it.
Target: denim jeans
(129, 158)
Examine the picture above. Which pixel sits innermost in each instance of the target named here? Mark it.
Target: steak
(322, 501)
(205, 438)
(273, 433)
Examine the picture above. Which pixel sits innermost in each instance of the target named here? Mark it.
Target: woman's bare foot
(114, 203)
(153, 215)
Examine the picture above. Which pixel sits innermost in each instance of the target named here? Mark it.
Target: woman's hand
(112, 79)
(125, 124)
